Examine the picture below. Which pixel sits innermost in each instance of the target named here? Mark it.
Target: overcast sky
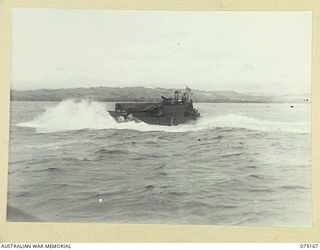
(266, 52)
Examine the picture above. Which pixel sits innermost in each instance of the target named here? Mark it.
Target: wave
(72, 115)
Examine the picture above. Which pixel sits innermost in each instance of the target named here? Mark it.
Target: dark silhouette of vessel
(170, 111)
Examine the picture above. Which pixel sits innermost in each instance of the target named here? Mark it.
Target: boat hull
(167, 120)
(169, 115)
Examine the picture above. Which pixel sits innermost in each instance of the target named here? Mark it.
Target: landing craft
(169, 112)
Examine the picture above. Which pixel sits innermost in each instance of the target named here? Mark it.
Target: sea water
(239, 164)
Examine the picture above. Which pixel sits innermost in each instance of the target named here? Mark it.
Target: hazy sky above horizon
(267, 52)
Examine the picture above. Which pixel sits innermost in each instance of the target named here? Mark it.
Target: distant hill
(142, 94)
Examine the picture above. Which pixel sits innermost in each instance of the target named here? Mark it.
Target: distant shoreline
(146, 102)
(142, 94)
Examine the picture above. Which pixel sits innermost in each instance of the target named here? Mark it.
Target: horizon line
(121, 87)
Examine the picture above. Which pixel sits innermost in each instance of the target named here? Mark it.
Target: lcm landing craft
(169, 112)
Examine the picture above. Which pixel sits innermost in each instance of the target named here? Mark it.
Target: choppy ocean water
(240, 164)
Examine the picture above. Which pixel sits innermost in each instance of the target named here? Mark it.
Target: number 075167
(305, 245)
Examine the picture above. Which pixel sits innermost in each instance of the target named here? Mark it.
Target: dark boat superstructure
(170, 111)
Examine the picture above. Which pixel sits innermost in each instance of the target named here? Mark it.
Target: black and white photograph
(160, 117)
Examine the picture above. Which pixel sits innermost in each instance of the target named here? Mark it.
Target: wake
(72, 115)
